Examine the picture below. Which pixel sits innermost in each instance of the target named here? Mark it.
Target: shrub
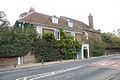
(97, 48)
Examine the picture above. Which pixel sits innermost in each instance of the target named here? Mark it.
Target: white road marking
(38, 76)
(53, 73)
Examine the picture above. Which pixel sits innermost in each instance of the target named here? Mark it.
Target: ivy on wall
(50, 49)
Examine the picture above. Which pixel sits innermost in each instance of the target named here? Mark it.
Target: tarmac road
(101, 68)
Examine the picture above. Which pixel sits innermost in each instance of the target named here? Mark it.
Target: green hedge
(14, 42)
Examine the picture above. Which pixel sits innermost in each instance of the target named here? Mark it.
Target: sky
(106, 13)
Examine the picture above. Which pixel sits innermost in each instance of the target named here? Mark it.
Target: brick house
(44, 23)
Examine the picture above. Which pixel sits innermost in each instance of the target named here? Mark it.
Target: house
(44, 23)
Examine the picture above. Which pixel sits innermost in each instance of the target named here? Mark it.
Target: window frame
(57, 34)
(54, 20)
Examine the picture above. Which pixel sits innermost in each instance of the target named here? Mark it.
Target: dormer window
(70, 23)
(54, 19)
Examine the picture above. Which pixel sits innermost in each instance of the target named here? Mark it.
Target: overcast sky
(106, 13)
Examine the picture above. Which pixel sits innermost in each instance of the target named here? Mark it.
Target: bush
(97, 48)
(111, 40)
(45, 49)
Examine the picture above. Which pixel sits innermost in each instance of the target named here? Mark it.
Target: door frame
(81, 55)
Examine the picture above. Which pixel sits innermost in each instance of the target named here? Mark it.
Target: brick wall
(79, 37)
(10, 61)
(30, 58)
(111, 51)
(94, 36)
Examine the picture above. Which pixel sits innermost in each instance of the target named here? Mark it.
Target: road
(100, 68)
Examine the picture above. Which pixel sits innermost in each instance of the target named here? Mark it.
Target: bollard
(14, 65)
(60, 60)
(42, 62)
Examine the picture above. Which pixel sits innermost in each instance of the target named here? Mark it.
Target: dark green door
(85, 53)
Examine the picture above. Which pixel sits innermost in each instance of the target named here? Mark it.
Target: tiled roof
(79, 24)
(38, 18)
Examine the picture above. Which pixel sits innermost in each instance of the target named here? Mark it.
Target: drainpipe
(88, 51)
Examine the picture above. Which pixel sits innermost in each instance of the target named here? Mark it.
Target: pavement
(31, 65)
(101, 68)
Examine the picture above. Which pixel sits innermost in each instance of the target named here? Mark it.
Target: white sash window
(57, 34)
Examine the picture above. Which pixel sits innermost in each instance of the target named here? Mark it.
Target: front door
(85, 53)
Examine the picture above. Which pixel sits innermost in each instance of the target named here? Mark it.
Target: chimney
(90, 20)
(31, 10)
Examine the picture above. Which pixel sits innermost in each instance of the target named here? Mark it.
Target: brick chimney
(90, 20)
(31, 10)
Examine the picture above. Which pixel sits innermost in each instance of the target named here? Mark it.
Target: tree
(107, 37)
(116, 32)
(111, 41)
(14, 42)
(3, 22)
(116, 42)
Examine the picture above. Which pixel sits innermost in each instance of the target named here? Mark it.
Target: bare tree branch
(3, 21)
